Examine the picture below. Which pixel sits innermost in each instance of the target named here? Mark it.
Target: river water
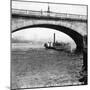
(38, 67)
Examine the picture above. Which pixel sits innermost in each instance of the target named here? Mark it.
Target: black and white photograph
(49, 44)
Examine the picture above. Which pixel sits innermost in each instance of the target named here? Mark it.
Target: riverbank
(44, 68)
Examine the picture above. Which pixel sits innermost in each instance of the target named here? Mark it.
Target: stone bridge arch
(77, 37)
(19, 21)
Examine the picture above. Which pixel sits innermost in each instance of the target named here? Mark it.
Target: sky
(60, 8)
(40, 34)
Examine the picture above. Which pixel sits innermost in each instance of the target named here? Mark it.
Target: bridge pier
(79, 49)
(84, 70)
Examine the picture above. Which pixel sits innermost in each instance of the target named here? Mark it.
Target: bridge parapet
(50, 14)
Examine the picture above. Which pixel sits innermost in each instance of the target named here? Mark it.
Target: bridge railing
(48, 14)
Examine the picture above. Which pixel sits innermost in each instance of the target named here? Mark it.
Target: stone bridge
(73, 25)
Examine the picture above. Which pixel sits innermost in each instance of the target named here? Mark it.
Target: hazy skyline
(42, 35)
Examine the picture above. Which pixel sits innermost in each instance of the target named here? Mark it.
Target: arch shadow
(78, 38)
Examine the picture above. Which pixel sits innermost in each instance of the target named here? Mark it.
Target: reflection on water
(38, 67)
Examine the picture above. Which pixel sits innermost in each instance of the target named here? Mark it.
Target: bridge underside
(73, 34)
